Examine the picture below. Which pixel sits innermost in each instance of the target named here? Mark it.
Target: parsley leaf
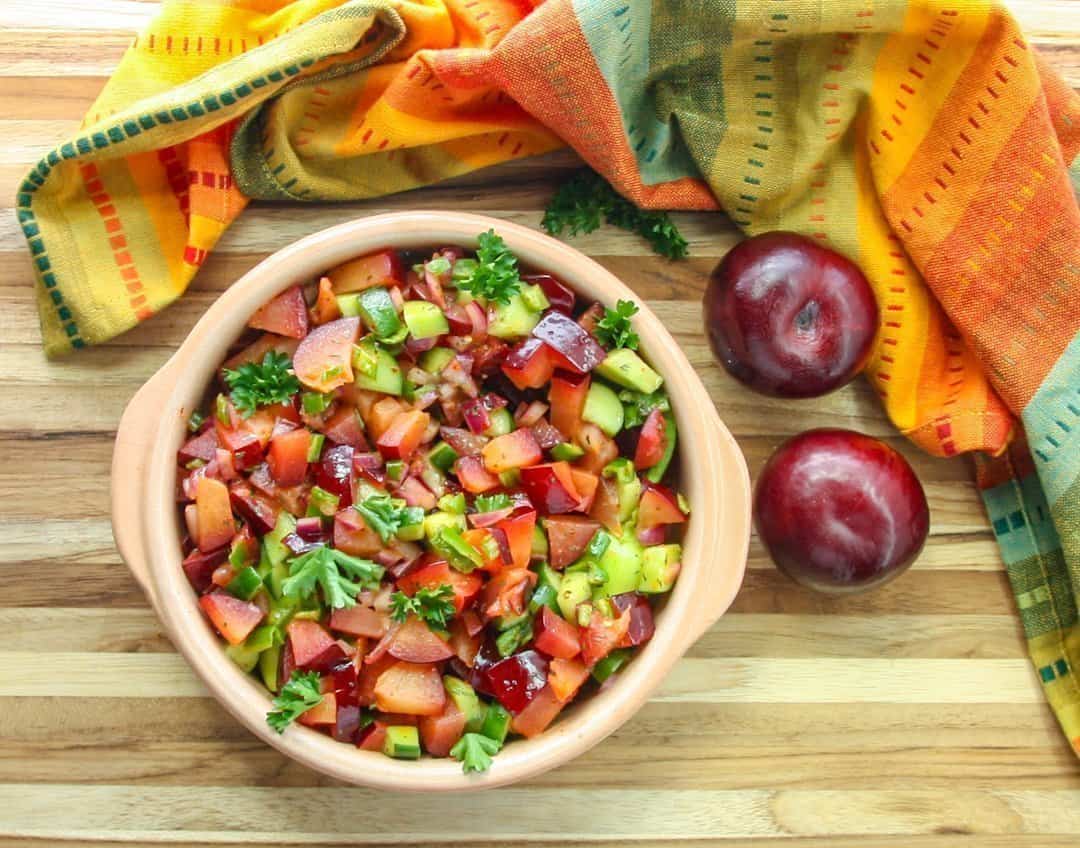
(331, 571)
(386, 515)
(432, 605)
(474, 751)
(491, 503)
(495, 276)
(613, 330)
(637, 406)
(299, 695)
(253, 385)
(586, 198)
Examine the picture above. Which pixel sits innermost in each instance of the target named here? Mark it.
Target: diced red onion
(414, 347)
(462, 441)
(479, 320)
(460, 322)
(655, 535)
(282, 425)
(527, 416)
(476, 416)
(488, 519)
(546, 434)
(397, 297)
(310, 528)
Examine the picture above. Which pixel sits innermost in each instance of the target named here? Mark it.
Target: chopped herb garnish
(299, 695)
(495, 276)
(432, 605)
(613, 330)
(253, 385)
(340, 576)
(586, 198)
(386, 515)
(474, 751)
(492, 503)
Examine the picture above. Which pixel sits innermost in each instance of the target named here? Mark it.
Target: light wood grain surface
(906, 717)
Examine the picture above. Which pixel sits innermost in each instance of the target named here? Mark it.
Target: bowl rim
(710, 557)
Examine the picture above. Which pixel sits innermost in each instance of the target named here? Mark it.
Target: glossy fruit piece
(839, 511)
(566, 677)
(414, 642)
(641, 626)
(466, 586)
(555, 636)
(473, 476)
(599, 449)
(560, 296)
(344, 427)
(585, 483)
(516, 680)
(360, 621)
(518, 529)
(334, 472)
(536, 716)
(789, 317)
(651, 442)
(568, 536)
(465, 645)
(376, 269)
(244, 445)
(441, 733)
(529, 364)
(567, 397)
(602, 635)
(382, 414)
(513, 450)
(323, 360)
(411, 689)
(605, 507)
(368, 675)
(215, 518)
(326, 307)
(198, 566)
(232, 618)
(353, 536)
(403, 436)
(308, 640)
(287, 457)
(415, 493)
(658, 505)
(323, 713)
(202, 445)
(257, 350)
(257, 511)
(550, 488)
(569, 339)
(285, 315)
(347, 723)
(372, 737)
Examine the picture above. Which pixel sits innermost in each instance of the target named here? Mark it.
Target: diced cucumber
(395, 468)
(263, 637)
(573, 590)
(535, 298)
(626, 368)
(269, 663)
(387, 377)
(622, 561)
(467, 701)
(496, 722)
(322, 503)
(412, 525)
(539, 549)
(611, 664)
(511, 478)
(243, 656)
(315, 447)
(454, 503)
(627, 486)
(402, 742)
(275, 549)
(424, 320)
(514, 319)
(442, 456)
(435, 360)
(436, 522)
(378, 312)
(349, 304)
(566, 452)
(316, 403)
(603, 408)
(502, 422)
(544, 596)
(659, 568)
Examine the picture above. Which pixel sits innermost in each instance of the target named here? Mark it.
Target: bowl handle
(721, 575)
(135, 438)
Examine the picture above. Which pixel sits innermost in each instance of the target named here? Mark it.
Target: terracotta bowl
(147, 525)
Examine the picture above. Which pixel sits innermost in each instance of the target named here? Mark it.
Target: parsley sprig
(495, 276)
(386, 515)
(340, 576)
(474, 751)
(586, 198)
(613, 330)
(299, 695)
(492, 503)
(253, 384)
(432, 605)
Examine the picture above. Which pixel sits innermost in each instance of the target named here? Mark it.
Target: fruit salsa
(430, 505)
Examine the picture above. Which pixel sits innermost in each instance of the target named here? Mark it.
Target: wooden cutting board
(909, 715)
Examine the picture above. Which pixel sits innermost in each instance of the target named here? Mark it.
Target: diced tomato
(287, 457)
(567, 397)
(326, 307)
(658, 505)
(360, 620)
(232, 618)
(519, 536)
(323, 360)
(472, 475)
(599, 449)
(568, 536)
(376, 269)
(353, 536)
(538, 714)
(344, 427)
(257, 350)
(651, 442)
(285, 315)
(441, 732)
(512, 450)
(602, 636)
(309, 641)
(565, 677)
(415, 642)
(215, 519)
(555, 636)
(551, 488)
(372, 737)
(466, 586)
(325, 712)
(199, 566)
(605, 506)
(569, 339)
(201, 446)
(410, 688)
(529, 365)
(464, 645)
(403, 436)
(368, 676)
(586, 484)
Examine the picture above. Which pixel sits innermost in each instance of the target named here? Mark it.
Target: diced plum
(287, 457)
(567, 397)
(244, 445)
(651, 442)
(353, 536)
(529, 364)
(202, 446)
(360, 621)
(369, 676)
(260, 515)
(472, 475)
(215, 519)
(599, 449)
(550, 488)
(488, 356)
(516, 680)
(555, 636)
(334, 472)
(513, 450)
(605, 506)
(416, 493)
(658, 505)
(535, 718)
(257, 350)
(376, 269)
(466, 586)
(586, 485)
(518, 530)
(602, 635)
(347, 723)
(463, 442)
(323, 360)
(344, 427)
(441, 732)
(199, 566)
(232, 618)
(326, 308)
(372, 737)
(403, 436)
(642, 626)
(368, 466)
(569, 339)
(559, 296)
(323, 713)
(308, 639)
(410, 688)
(286, 315)
(655, 535)
(382, 414)
(568, 537)
(415, 642)
(566, 677)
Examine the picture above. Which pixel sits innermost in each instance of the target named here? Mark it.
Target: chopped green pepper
(566, 452)
(454, 503)
(322, 503)
(395, 468)
(315, 446)
(496, 722)
(448, 542)
(442, 456)
(195, 421)
(611, 664)
(316, 403)
(245, 584)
